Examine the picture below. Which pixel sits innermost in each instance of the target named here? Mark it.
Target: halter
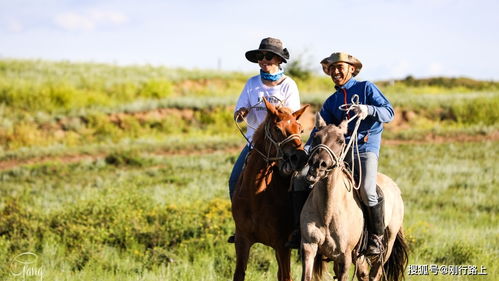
(268, 136)
(338, 161)
(276, 144)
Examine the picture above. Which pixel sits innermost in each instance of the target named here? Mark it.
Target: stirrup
(375, 245)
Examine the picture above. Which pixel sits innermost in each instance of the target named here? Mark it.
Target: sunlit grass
(137, 215)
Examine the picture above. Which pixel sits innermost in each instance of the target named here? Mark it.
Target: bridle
(337, 161)
(277, 144)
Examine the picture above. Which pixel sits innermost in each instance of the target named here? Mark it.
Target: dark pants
(237, 169)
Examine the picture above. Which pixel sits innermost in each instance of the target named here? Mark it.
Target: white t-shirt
(285, 94)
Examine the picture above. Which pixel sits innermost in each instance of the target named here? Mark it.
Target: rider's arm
(243, 102)
(378, 105)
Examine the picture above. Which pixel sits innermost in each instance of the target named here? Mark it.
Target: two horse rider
(373, 109)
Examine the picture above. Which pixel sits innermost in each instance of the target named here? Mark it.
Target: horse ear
(343, 127)
(319, 122)
(300, 111)
(270, 108)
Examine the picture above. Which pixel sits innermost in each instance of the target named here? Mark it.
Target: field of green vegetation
(120, 173)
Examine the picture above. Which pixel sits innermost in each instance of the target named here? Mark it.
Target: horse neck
(258, 167)
(261, 143)
(260, 174)
(337, 193)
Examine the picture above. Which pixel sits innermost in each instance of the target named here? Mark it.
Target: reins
(268, 136)
(338, 160)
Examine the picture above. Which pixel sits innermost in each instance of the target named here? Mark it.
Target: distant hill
(443, 82)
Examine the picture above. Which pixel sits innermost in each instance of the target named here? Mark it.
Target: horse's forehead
(288, 122)
(284, 110)
(330, 134)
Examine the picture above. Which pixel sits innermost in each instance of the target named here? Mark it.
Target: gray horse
(332, 221)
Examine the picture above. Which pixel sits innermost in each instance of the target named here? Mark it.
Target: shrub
(156, 89)
(457, 253)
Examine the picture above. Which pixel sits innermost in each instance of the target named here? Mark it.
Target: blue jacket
(379, 111)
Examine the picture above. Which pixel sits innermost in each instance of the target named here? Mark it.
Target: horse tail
(397, 262)
(319, 268)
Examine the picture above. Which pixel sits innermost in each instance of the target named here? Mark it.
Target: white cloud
(112, 17)
(90, 20)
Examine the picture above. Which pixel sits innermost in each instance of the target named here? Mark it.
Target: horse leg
(309, 251)
(283, 256)
(376, 272)
(343, 264)
(362, 269)
(242, 254)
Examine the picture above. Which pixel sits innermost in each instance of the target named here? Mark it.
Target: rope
(353, 138)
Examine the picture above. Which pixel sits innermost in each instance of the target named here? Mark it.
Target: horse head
(327, 146)
(283, 130)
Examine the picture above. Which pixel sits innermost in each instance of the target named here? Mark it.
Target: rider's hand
(240, 114)
(306, 148)
(360, 110)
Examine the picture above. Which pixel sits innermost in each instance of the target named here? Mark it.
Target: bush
(478, 111)
(156, 89)
(457, 253)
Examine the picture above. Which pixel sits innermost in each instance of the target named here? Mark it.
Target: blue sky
(392, 38)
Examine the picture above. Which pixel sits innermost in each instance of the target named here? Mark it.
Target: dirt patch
(433, 139)
(74, 158)
(66, 159)
(401, 121)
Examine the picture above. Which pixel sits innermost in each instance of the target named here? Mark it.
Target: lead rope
(353, 139)
(355, 142)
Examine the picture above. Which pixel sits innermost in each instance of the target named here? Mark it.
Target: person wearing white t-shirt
(271, 84)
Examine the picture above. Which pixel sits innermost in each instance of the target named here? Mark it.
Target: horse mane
(259, 134)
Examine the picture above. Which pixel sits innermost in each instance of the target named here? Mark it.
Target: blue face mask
(271, 77)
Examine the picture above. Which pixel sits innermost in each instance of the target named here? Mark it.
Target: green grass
(133, 210)
(64, 106)
(446, 115)
(140, 216)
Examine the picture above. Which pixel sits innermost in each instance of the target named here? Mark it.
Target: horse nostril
(323, 164)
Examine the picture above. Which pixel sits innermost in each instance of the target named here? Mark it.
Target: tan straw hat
(341, 57)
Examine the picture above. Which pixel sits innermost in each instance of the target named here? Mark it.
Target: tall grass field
(120, 173)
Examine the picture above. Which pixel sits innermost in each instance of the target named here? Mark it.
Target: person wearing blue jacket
(373, 109)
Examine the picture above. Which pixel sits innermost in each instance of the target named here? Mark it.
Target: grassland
(119, 173)
(133, 216)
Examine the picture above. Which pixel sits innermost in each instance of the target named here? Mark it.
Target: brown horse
(332, 221)
(260, 205)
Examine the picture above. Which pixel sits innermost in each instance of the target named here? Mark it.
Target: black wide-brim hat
(272, 45)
